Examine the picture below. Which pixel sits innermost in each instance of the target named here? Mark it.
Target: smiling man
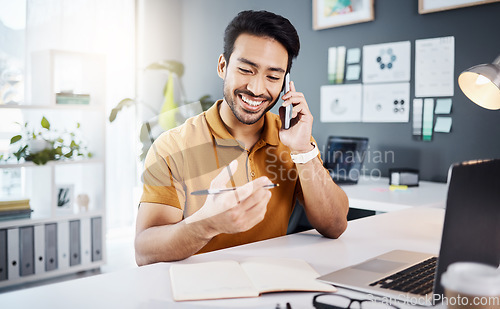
(238, 144)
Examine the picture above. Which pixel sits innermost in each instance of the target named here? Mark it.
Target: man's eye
(273, 78)
(245, 71)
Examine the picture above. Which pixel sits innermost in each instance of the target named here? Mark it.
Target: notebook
(471, 232)
(248, 278)
(344, 158)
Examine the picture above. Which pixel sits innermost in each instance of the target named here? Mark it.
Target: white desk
(416, 229)
(374, 194)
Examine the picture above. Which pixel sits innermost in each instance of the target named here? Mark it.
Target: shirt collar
(224, 138)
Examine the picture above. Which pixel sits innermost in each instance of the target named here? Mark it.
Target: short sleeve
(162, 182)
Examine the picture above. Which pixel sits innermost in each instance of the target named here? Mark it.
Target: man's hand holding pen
(234, 211)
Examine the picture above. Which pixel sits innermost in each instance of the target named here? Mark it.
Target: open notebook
(248, 278)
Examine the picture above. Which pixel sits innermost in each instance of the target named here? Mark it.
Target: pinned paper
(428, 119)
(353, 72)
(332, 64)
(341, 103)
(417, 117)
(353, 55)
(386, 102)
(434, 67)
(443, 106)
(443, 124)
(339, 78)
(388, 62)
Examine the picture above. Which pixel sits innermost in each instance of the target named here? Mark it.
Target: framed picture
(431, 6)
(65, 195)
(336, 13)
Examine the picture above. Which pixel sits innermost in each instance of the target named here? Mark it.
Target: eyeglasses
(336, 301)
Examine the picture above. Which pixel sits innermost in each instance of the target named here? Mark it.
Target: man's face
(254, 76)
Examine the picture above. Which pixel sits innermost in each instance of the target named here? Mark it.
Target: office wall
(475, 133)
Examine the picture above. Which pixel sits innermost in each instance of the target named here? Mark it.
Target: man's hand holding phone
(297, 134)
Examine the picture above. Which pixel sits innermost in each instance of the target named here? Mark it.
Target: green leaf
(123, 103)
(15, 139)
(168, 65)
(45, 123)
(90, 155)
(73, 144)
(78, 125)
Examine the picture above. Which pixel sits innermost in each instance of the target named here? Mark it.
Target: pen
(218, 191)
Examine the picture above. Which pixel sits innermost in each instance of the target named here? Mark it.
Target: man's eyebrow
(255, 65)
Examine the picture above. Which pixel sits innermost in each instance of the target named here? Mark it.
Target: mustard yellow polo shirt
(189, 157)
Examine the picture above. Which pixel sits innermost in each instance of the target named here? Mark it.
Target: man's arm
(326, 205)
(162, 235)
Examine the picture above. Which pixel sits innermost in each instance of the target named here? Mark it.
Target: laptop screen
(344, 157)
(471, 231)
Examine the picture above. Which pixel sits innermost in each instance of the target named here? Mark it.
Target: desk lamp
(481, 84)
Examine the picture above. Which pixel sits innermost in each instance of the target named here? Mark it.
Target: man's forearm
(326, 204)
(170, 242)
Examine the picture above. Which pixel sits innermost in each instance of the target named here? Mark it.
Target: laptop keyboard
(417, 279)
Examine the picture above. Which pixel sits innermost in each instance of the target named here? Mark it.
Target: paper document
(341, 103)
(388, 62)
(443, 124)
(249, 278)
(443, 106)
(434, 67)
(353, 72)
(386, 102)
(353, 55)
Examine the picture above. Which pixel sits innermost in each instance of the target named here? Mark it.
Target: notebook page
(283, 274)
(210, 280)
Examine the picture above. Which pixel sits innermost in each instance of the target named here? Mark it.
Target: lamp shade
(481, 84)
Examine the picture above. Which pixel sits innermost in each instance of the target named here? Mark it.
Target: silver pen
(218, 191)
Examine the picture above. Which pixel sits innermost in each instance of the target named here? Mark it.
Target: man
(237, 143)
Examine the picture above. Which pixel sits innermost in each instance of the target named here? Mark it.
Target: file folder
(3, 255)
(96, 239)
(50, 246)
(63, 244)
(26, 250)
(13, 253)
(74, 243)
(85, 235)
(39, 249)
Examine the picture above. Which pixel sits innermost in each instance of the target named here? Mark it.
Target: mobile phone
(288, 109)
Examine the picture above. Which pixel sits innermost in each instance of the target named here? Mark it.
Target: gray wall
(475, 133)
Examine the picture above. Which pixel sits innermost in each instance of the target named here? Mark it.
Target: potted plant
(174, 110)
(46, 144)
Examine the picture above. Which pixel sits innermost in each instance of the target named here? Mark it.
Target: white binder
(86, 249)
(39, 249)
(13, 253)
(63, 244)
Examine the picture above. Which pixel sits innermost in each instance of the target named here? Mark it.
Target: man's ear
(222, 66)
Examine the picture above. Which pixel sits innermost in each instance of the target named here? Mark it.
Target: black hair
(265, 24)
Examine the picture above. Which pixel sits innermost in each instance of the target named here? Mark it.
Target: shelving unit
(53, 243)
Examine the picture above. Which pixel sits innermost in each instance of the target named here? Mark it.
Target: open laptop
(344, 157)
(471, 232)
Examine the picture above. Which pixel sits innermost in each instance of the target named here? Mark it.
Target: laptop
(471, 232)
(344, 158)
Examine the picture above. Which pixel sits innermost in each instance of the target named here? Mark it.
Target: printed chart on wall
(386, 102)
(387, 63)
(434, 67)
(341, 103)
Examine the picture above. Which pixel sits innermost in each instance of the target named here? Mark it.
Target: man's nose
(256, 85)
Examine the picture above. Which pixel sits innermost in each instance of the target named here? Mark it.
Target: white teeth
(250, 102)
